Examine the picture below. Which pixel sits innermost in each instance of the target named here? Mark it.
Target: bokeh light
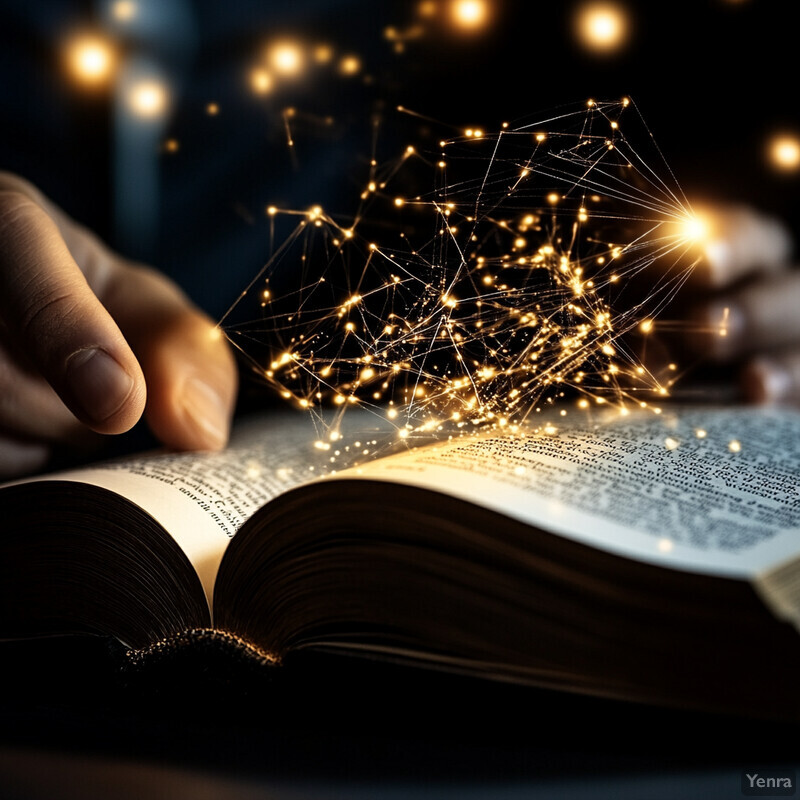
(469, 14)
(602, 27)
(124, 10)
(784, 152)
(90, 59)
(148, 98)
(286, 58)
(261, 81)
(350, 65)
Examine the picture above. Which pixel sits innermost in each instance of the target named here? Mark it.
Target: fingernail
(766, 381)
(97, 383)
(206, 413)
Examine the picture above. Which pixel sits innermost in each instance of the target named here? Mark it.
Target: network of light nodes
(505, 287)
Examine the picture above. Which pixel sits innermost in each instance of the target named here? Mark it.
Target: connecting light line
(503, 296)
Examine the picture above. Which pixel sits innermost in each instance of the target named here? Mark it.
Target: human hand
(90, 341)
(746, 304)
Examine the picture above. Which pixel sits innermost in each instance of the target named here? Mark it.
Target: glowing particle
(261, 81)
(212, 109)
(148, 98)
(286, 58)
(323, 54)
(723, 325)
(735, 446)
(469, 14)
(350, 65)
(90, 59)
(671, 443)
(700, 433)
(601, 26)
(784, 152)
(124, 10)
(665, 545)
(646, 325)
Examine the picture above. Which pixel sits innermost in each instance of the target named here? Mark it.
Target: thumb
(51, 314)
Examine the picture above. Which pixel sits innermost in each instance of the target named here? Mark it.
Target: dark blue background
(712, 79)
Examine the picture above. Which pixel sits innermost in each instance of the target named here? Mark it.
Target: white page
(203, 498)
(666, 489)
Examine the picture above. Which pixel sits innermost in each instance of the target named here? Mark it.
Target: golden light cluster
(287, 60)
(461, 18)
(498, 292)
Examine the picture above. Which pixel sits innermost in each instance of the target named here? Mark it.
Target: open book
(653, 557)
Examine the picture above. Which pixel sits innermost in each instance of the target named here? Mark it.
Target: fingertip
(205, 413)
(193, 384)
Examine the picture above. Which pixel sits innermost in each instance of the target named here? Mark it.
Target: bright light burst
(517, 279)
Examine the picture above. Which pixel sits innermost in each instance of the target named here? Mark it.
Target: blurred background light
(261, 81)
(469, 14)
(124, 10)
(286, 58)
(784, 152)
(148, 98)
(602, 27)
(91, 59)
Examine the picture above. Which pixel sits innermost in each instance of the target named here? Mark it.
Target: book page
(202, 499)
(712, 491)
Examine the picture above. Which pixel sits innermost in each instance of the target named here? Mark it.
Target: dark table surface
(74, 726)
